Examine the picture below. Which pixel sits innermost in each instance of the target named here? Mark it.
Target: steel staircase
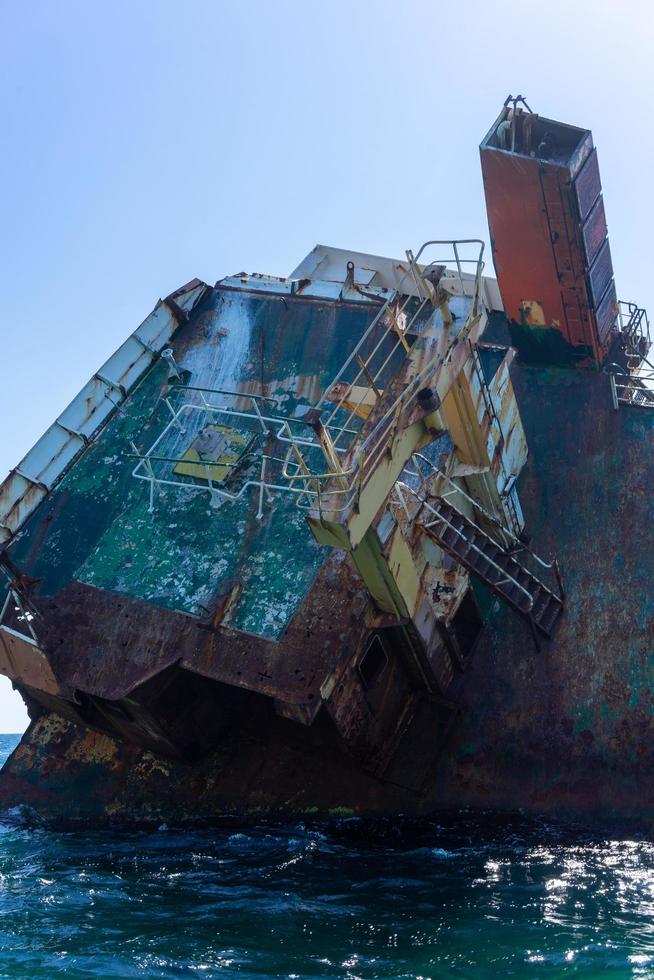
(635, 390)
(633, 324)
(495, 566)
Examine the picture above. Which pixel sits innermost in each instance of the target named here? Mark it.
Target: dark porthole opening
(373, 662)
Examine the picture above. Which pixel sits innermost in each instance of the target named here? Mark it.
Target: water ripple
(463, 897)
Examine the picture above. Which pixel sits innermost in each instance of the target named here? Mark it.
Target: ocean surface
(467, 897)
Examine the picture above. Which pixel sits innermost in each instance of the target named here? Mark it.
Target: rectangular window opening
(374, 661)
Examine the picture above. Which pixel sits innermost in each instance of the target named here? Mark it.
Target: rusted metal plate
(587, 185)
(545, 233)
(594, 231)
(600, 274)
(262, 767)
(529, 229)
(19, 497)
(535, 725)
(218, 445)
(181, 553)
(520, 234)
(108, 644)
(23, 662)
(606, 313)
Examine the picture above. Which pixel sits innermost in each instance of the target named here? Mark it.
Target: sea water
(461, 897)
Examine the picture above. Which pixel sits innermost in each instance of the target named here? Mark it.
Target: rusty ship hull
(364, 540)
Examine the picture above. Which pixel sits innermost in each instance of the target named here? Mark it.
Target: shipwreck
(370, 538)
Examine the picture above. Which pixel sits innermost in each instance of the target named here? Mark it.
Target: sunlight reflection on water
(465, 896)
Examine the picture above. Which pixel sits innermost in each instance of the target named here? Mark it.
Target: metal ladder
(633, 386)
(634, 322)
(495, 566)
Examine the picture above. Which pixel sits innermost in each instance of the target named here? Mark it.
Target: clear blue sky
(144, 143)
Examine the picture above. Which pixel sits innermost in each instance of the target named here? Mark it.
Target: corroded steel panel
(607, 313)
(587, 186)
(535, 258)
(164, 604)
(514, 449)
(600, 274)
(22, 661)
(547, 228)
(594, 231)
(567, 729)
(522, 251)
(95, 526)
(570, 729)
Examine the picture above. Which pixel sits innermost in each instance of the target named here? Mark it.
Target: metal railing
(17, 612)
(505, 577)
(516, 545)
(259, 414)
(636, 390)
(423, 291)
(633, 322)
(359, 385)
(633, 385)
(398, 316)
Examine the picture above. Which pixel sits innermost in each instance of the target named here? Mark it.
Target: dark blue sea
(461, 898)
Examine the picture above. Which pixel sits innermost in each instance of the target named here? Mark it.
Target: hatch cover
(214, 453)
